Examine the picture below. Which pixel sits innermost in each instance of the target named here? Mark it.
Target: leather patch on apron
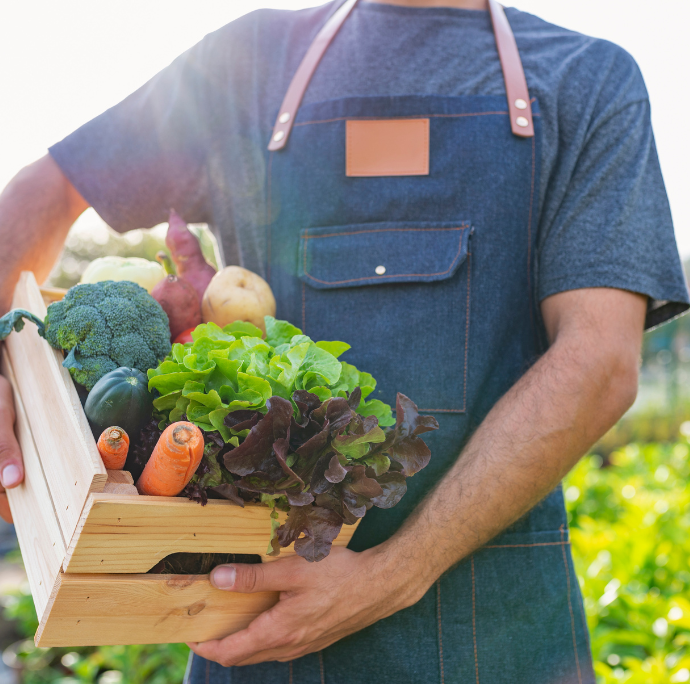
(387, 147)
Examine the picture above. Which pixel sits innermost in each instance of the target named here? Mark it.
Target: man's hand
(319, 604)
(11, 467)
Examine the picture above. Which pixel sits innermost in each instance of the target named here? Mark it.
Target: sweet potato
(187, 255)
(180, 301)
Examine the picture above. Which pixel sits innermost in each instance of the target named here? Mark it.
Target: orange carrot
(173, 461)
(113, 445)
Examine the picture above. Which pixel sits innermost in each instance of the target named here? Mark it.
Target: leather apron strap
(519, 105)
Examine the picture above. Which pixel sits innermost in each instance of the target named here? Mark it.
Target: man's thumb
(245, 578)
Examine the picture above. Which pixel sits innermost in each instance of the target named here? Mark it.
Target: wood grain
(35, 520)
(120, 477)
(99, 610)
(66, 448)
(126, 534)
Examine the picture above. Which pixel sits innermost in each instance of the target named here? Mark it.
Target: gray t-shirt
(195, 136)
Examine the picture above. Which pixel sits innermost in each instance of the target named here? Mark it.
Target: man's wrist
(403, 574)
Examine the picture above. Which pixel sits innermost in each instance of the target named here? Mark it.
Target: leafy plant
(630, 526)
(288, 425)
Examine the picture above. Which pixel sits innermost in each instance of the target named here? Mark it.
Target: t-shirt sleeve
(607, 221)
(147, 154)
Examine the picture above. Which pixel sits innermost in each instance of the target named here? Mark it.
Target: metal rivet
(522, 122)
(285, 116)
(380, 270)
(520, 104)
(278, 136)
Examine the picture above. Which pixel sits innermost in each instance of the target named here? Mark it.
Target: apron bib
(430, 278)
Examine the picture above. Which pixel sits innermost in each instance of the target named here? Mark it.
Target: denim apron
(431, 279)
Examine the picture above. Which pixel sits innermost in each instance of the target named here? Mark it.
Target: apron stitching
(385, 230)
(304, 307)
(474, 624)
(467, 333)
(440, 635)
(321, 668)
(290, 672)
(385, 118)
(435, 410)
(570, 608)
(519, 546)
(411, 116)
(400, 275)
(269, 221)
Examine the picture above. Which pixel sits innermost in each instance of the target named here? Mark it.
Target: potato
(236, 294)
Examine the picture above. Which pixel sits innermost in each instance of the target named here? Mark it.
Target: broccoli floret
(105, 326)
(92, 369)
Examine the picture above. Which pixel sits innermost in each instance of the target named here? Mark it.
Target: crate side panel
(36, 299)
(104, 610)
(35, 520)
(131, 534)
(56, 425)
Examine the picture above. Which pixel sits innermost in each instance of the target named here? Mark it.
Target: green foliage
(150, 664)
(631, 544)
(233, 368)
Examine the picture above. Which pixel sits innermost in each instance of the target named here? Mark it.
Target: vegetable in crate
(236, 294)
(122, 398)
(178, 299)
(113, 445)
(135, 269)
(173, 462)
(102, 326)
(187, 255)
(293, 428)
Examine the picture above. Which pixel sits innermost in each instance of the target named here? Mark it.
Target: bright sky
(63, 62)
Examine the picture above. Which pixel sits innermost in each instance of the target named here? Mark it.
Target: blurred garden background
(628, 503)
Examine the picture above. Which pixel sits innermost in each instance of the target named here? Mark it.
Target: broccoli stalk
(14, 320)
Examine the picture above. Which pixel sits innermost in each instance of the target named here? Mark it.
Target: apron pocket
(399, 293)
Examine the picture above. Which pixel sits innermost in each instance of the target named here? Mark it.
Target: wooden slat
(131, 534)
(35, 520)
(120, 477)
(99, 610)
(52, 294)
(59, 427)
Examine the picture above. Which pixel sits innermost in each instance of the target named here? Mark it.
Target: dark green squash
(120, 398)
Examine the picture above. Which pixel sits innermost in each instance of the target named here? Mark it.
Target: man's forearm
(37, 209)
(521, 451)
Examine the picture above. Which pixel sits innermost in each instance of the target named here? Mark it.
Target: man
(499, 266)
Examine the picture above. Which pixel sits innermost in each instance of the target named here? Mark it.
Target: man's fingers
(264, 639)
(248, 579)
(11, 466)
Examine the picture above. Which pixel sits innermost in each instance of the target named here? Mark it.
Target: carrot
(173, 461)
(113, 445)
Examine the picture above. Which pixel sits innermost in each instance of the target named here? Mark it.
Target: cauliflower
(107, 325)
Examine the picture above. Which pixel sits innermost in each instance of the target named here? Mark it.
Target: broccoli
(105, 326)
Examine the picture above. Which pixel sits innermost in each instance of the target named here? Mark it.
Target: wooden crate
(86, 551)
